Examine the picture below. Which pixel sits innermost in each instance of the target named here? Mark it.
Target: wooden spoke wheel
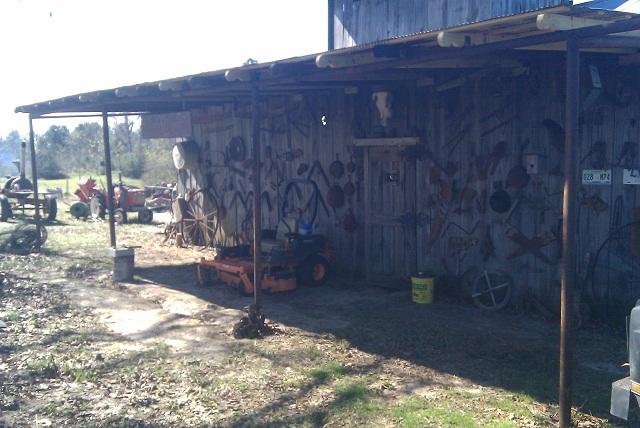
(198, 227)
(492, 290)
(613, 283)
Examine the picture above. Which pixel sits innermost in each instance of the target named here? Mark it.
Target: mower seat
(269, 244)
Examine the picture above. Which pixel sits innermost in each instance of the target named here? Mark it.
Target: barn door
(390, 215)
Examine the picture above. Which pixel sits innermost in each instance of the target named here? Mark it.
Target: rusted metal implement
(19, 195)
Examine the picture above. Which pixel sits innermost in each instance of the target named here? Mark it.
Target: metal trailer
(17, 195)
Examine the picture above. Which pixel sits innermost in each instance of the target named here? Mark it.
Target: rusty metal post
(34, 177)
(569, 225)
(107, 169)
(257, 192)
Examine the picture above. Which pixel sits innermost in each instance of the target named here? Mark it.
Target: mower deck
(277, 275)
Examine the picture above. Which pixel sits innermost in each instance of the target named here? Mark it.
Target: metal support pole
(257, 192)
(34, 177)
(330, 25)
(569, 225)
(107, 169)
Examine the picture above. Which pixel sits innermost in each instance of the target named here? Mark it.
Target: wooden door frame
(367, 207)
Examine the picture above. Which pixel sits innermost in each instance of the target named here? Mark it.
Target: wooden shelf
(403, 141)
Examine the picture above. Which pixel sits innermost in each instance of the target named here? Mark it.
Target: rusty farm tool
(492, 290)
(531, 246)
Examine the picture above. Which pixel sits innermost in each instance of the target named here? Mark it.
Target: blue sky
(53, 48)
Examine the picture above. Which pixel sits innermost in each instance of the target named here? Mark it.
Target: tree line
(62, 153)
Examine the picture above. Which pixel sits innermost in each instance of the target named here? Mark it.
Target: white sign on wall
(596, 176)
(167, 125)
(630, 176)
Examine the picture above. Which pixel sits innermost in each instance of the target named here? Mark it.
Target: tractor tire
(50, 208)
(313, 271)
(5, 208)
(79, 210)
(9, 182)
(96, 206)
(119, 216)
(145, 216)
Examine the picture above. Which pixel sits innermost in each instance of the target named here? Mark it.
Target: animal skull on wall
(383, 101)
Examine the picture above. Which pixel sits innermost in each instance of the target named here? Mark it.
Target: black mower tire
(119, 216)
(50, 208)
(5, 208)
(314, 271)
(145, 216)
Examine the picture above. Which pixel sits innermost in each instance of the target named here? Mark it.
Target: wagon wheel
(492, 290)
(200, 229)
(613, 283)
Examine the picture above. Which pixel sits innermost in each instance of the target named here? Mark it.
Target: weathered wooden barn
(435, 132)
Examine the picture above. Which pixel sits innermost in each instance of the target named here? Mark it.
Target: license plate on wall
(630, 176)
(596, 176)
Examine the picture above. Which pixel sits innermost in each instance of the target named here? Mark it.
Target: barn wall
(364, 21)
(297, 132)
(473, 140)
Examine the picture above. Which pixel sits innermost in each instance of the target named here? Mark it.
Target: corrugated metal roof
(200, 90)
(627, 6)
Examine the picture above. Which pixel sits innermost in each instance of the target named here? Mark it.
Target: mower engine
(622, 390)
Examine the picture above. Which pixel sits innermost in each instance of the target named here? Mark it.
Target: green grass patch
(45, 367)
(417, 412)
(326, 372)
(350, 392)
(81, 374)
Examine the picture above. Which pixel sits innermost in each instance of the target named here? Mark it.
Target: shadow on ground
(508, 351)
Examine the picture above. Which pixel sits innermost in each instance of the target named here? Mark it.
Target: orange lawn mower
(290, 256)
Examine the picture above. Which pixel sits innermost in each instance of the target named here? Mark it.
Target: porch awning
(412, 57)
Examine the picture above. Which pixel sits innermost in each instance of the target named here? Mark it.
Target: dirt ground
(78, 350)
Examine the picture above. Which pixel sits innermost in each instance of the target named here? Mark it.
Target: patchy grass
(326, 372)
(44, 367)
(69, 185)
(387, 371)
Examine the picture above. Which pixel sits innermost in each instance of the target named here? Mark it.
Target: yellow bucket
(422, 289)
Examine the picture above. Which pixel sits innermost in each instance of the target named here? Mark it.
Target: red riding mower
(289, 258)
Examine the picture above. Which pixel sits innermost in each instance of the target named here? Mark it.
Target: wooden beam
(240, 74)
(399, 74)
(173, 85)
(370, 142)
(328, 60)
(126, 91)
(467, 62)
(89, 97)
(555, 22)
(454, 39)
(629, 59)
(611, 42)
